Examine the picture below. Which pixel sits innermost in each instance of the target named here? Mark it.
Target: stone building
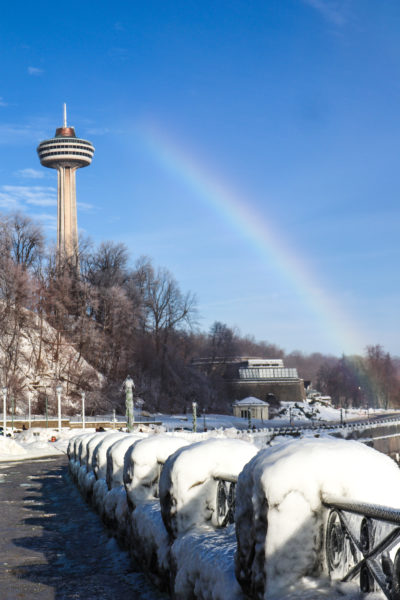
(267, 379)
(251, 408)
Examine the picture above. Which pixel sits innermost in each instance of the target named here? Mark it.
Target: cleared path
(53, 546)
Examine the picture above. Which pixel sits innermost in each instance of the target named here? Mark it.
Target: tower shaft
(66, 153)
(67, 225)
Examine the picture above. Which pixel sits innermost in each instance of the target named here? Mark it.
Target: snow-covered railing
(364, 540)
(226, 499)
(171, 502)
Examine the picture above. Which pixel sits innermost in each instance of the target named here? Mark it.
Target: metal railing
(225, 499)
(363, 540)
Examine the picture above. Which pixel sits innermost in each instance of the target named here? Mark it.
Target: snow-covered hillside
(37, 358)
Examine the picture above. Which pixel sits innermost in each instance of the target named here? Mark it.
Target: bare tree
(24, 239)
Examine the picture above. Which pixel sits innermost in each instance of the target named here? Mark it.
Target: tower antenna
(65, 114)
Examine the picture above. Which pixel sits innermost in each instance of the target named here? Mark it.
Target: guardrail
(226, 499)
(366, 550)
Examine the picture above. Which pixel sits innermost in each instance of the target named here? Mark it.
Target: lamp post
(29, 410)
(46, 408)
(4, 390)
(12, 415)
(59, 390)
(194, 408)
(83, 409)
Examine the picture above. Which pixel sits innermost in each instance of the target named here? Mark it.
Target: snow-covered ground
(283, 486)
(37, 442)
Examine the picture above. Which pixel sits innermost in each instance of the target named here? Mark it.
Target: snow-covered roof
(251, 400)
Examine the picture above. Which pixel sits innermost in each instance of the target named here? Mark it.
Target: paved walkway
(53, 546)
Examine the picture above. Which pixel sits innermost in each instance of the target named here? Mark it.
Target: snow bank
(150, 545)
(116, 512)
(91, 446)
(187, 485)
(81, 448)
(143, 462)
(86, 476)
(99, 459)
(116, 459)
(75, 449)
(74, 440)
(204, 560)
(9, 447)
(99, 492)
(279, 512)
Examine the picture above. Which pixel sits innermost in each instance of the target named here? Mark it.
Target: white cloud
(98, 131)
(330, 10)
(85, 206)
(49, 220)
(17, 197)
(35, 71)
(17, 134)
(2, 103)
(30, 173)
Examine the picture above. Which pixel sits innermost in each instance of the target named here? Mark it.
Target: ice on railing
(279, 511)
(188, 483)
(116, 458)
(143, 464)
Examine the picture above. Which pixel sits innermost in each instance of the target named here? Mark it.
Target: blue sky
(251, 147)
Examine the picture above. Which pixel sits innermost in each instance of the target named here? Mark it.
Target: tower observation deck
(66, 153)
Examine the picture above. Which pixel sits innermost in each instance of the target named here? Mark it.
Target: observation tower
(66, 153)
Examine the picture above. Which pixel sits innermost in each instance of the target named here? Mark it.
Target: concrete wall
(384, 438)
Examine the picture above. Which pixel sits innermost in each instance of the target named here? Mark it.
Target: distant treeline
(128, 317)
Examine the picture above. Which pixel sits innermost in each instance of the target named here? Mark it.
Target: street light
(83, 409)
(4, 390)
(29, 410)
(59, 390)
(194, 407)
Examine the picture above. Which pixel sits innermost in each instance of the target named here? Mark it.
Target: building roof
(251, 401)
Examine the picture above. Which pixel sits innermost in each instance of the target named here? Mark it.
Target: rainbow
(237, 211)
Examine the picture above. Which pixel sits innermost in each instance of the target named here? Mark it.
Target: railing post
(83, 410)
(194, 408)
(29, 410)
(4, 410)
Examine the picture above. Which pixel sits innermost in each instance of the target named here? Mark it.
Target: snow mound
(91, 445)
(204, 559)
(10, 447)
(279, 512)
(151, 547)
(188, 487)
(143, 462)
(116, 459)
(81, 447)
(99, 459)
